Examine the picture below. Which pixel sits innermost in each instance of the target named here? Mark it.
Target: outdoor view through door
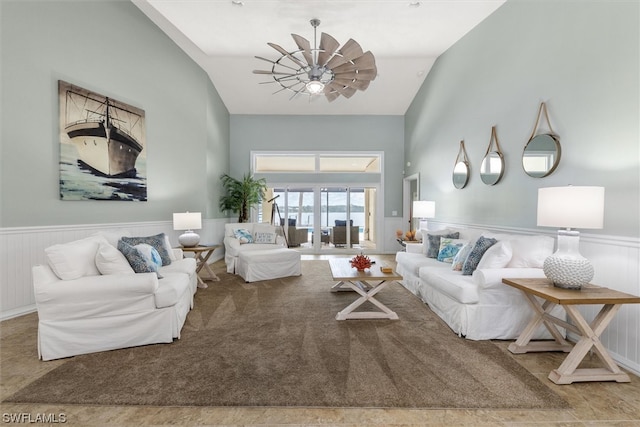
(324, 218)
(336, 207)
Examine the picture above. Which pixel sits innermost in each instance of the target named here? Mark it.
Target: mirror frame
(556, 161)
(466, 175)
(488, 155)
(462, 152)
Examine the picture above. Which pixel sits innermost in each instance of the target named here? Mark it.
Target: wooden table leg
(367, 293)
(568, 372)
(542, 316)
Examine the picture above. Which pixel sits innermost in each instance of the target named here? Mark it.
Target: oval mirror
(460, 174)
(492, 168)
(541, 155)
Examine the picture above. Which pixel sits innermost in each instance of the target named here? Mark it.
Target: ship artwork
(102, 147)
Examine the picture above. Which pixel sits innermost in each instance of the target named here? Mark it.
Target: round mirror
(541, 155)
(492, 168)
(460, 174)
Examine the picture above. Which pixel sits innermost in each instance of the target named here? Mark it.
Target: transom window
(315, 163)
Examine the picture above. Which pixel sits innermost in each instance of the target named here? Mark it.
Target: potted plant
(242, 194)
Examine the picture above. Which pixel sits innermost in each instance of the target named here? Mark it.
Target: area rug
(277, 343)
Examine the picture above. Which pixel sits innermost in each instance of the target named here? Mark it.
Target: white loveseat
(89, 298)
(264, 236)
(479, 306)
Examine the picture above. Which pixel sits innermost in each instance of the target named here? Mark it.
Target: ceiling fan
(322, 70)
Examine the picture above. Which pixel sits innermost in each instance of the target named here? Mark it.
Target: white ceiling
(405, 36)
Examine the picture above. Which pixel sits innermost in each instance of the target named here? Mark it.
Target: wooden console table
(202, 255)
(568, 372)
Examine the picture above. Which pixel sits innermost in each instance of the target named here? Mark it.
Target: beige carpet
(277, 343)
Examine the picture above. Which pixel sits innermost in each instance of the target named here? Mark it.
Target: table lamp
(570, 207)
(423, 209)
(188, 221)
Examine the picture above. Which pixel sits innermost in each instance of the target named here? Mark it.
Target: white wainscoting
(616, 261)
(23, 247)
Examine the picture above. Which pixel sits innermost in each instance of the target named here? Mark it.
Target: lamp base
(189, 239)
(566, 267)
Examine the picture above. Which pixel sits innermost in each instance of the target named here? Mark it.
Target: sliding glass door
(321, 219)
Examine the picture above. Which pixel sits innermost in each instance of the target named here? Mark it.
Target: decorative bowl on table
(360, 262)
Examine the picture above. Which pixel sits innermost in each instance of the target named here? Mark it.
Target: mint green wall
(323, 133)
(582, 59)
(112, 48)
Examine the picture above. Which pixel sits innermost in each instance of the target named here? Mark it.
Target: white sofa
(264, 236)
(479, 306)
(89, 298)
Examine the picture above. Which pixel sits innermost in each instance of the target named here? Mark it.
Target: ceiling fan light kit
(322, 69)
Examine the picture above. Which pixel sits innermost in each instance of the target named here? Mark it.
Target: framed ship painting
(102, 147)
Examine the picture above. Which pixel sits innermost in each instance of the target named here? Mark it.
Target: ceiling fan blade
(350, 75)
(365, 62)
(328, 46)
(343, 81)
(336, 61)
(332, 96)
(287, 54)
(344, 68)
(272, 72)
(347, 92)
(304, 45)
(360, 84)
(367, 74)
(351, 50)
(275, 63)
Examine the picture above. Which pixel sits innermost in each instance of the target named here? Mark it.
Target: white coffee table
(366, 283)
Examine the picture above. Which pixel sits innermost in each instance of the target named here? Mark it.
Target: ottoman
(268, 264)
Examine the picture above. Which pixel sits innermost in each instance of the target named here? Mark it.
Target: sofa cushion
(413, 262)
(75, 259)
(184, 265)
(452, 283)
(481, 246)
(531, 251)
(171, 289)
(158, 241)
(497, 256)
(433, 242)
(449, 248)
(110, 260)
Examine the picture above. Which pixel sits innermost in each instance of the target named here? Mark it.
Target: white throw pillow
(531, 251)
(113, 236)
(75, 259)
(110, 260)
(497, 256)
(264, 238)
(167, 245)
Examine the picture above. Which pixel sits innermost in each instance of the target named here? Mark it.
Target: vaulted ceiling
(406, 37)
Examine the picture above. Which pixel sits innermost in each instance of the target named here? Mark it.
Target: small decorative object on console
(360, 262)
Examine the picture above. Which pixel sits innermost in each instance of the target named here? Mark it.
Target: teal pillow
(433, 243)
(243, 235)
(449, 248)
(157, 241)
(481, 246)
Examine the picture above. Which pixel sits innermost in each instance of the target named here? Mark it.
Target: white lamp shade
(424, 209)
(571, 207)
(187, 221)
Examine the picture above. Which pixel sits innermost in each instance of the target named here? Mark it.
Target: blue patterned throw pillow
(136, 259)
(433, 243)
(243, 235)
(481, 246)
(157, 241)
(449, 248)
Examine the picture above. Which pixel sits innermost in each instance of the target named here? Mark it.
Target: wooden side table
(568, 372)
(202, 255)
